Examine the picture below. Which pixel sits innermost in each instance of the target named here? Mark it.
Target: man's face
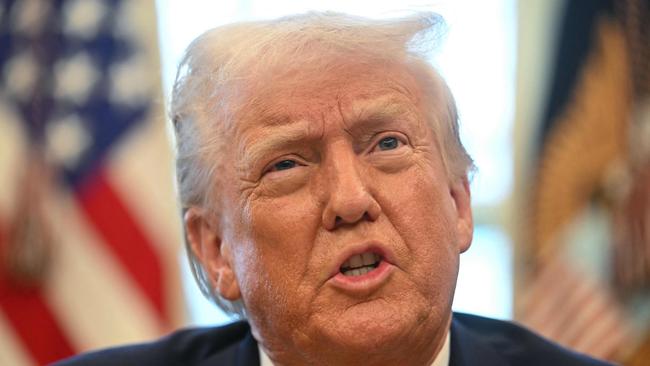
(339, 222)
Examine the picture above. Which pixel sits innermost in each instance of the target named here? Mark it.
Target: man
(326, 201)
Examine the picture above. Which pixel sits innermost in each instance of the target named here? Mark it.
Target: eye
(388, 143)
(287, 162)
(283, 165)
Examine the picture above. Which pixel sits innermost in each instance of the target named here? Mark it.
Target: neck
(415, 349)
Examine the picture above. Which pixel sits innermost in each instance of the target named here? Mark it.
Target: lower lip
(365, 282)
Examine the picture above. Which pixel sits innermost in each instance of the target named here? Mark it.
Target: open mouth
(360, 264)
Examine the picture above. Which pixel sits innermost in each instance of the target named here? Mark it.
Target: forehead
(347, 88)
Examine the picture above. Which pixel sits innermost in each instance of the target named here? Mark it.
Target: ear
(204, 238)
(460, 193)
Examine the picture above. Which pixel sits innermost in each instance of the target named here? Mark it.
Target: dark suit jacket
(474, 341)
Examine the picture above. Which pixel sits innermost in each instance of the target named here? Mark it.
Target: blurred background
(554, 100)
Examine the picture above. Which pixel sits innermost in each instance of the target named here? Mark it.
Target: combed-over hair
(219, 63)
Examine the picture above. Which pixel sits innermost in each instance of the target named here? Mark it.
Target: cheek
(422, 213)
(417, 201)
(281, 222)
(278, 248)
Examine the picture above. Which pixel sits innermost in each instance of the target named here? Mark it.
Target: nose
(349, 200)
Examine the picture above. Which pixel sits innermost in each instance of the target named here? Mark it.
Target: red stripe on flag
(33, 321)
(124, 238)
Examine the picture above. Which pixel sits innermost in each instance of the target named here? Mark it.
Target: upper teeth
(359, 264)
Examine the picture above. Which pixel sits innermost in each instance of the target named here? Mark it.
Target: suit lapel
(468, 350)
(243, 353)
(248, 352)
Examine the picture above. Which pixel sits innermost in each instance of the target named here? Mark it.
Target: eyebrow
(380, 108)
(371, 115)
(279, 134)
(283, 131)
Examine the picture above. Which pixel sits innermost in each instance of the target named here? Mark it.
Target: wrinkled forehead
(307, 91)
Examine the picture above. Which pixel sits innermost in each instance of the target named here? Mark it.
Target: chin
(372, 326)
(365, 342)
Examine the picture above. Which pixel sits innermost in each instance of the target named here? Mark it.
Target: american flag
(589, 196)
(88, 231)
